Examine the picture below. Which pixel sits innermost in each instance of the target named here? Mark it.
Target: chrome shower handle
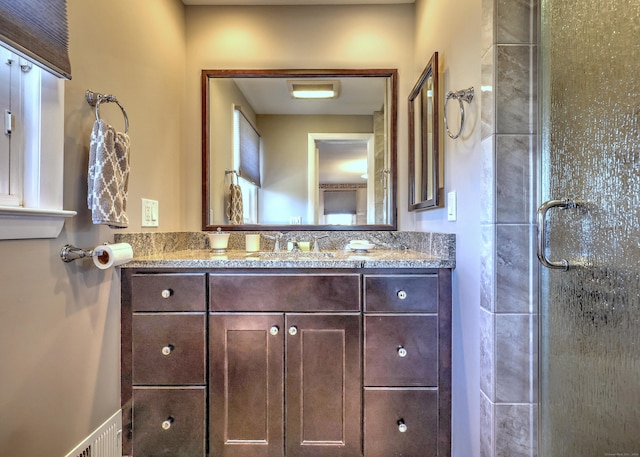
(562, 264)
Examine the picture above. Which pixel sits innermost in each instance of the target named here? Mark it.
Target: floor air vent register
(105, 441)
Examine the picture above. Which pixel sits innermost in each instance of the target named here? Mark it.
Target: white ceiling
(271, 96)
(294, 2)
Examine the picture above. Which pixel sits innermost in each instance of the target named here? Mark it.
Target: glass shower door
(590, 313)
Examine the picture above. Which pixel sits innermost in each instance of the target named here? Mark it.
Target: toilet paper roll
(112, 255)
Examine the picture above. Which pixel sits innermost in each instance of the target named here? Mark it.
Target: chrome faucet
(316, 244)
(276, 240)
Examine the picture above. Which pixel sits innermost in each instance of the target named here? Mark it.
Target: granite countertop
(392, 250)
(205, 258)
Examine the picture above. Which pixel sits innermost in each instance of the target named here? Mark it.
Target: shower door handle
(562, 264)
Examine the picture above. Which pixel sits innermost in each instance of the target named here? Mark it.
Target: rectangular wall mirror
(280, 151)
(425, 158)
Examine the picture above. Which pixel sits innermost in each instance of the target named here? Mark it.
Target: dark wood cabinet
(164, 361)
(286, 383)
(407, 367)
(286, 363)
(262, 362)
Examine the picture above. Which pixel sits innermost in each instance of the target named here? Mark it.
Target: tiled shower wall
(508, 359)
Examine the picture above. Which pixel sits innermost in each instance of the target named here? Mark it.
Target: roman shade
(39, 31)
(248, 143)
(339, 201)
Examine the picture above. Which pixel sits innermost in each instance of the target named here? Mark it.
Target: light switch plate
(452, 206)
(149, 213)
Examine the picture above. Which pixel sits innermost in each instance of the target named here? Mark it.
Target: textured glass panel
(590, 315)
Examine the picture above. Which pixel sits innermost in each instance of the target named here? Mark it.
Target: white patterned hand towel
(108, 176)
(234, 205)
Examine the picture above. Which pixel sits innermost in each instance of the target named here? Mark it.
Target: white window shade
(339, 201)
(38, 30)
(248, 146)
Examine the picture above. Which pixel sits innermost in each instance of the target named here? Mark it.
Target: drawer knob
(166, 293)
(402, 294)
(166, 424)
(402, 427)
(274, 330)
(402, 352)
(293, 330)
(168, 349)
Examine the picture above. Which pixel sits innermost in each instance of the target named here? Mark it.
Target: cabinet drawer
(400, 350)
(168, 292)
(285, 292)
(169, 422)
(168, 349)
(401, 293)
(400, 422)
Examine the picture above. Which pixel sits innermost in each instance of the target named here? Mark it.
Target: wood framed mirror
(301, 146)
(426, 161)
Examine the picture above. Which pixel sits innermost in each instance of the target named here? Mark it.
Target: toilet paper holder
(69, 253)
(104, 256)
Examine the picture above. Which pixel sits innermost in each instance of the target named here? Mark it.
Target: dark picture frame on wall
(426, 185)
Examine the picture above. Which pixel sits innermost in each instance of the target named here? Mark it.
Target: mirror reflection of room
(308, 161)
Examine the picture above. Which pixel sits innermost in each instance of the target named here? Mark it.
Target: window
(247, 151)
(10, 172)
(31, 150)
(34, 44)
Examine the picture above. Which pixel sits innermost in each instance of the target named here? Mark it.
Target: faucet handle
(316, 244)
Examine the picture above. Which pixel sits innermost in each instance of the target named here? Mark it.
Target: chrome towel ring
(465, 95)
(94, 99)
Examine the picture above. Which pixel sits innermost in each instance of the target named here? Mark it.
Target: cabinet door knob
(166, 293)
(402, 294)
(168, 349)
(402, 352)
(402, 427)
(166, 424)
(274, 330)
(293, 330)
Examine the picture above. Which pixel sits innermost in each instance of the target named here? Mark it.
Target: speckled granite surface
(392, 250)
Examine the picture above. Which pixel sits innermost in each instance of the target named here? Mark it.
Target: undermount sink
(293, 255)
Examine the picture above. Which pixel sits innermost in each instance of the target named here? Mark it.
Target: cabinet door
(246, 385)
(323, 385)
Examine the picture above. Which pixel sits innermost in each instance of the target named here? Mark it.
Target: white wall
(224, 94)
(60, 323)
(285, 179)
(357, 36)
(456, 34)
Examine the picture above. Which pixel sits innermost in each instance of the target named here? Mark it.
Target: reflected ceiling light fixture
(314, 89)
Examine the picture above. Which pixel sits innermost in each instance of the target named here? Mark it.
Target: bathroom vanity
(270, 357)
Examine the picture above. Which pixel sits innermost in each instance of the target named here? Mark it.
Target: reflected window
(340, 219)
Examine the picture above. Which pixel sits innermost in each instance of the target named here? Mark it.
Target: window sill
(26, 223)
